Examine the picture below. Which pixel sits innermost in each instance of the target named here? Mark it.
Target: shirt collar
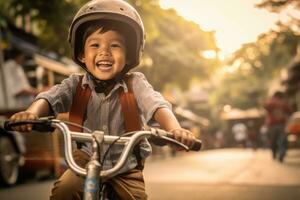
(86, 80)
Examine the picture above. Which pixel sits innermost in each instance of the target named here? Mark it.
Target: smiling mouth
(104, 65)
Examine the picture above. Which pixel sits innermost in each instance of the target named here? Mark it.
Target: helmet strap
(102, 85)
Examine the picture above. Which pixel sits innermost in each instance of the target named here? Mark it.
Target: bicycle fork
(93, 180)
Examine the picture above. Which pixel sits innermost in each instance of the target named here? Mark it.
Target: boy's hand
(184, 136)
(20, 116)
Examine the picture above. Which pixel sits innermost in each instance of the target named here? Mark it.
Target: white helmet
(109, 10)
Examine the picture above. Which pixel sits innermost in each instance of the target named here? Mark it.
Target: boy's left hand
(184, 136)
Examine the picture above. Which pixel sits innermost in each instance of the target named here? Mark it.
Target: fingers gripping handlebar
(162, 137)
(41, 125)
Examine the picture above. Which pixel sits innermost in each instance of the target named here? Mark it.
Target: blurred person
(219, 141)
(278, 112)
(19, 92)
(253, 137)
(263, 135)
(239, 131)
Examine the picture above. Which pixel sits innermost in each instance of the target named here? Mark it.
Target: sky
(235, 22)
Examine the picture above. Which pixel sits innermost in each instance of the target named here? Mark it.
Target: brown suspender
(131, 116)
(129, 107)
(79, 106)
(127, 100)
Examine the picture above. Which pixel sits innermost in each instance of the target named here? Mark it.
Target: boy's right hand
(21, 116)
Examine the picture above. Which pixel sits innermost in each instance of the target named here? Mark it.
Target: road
(230, 174)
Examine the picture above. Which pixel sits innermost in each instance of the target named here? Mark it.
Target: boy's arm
(40, 108)
(168, 122)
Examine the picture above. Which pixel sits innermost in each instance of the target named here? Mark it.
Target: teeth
(103, 63)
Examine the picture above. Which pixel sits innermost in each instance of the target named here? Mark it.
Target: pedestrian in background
(239, 131)
(278, 112)
(19, 92)
(252, 133)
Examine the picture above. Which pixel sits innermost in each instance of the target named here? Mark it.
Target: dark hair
(15, 52)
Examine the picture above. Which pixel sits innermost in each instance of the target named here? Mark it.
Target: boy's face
(104, 54)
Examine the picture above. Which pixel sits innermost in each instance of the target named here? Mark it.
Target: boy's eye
(115, 45)
(94, 45)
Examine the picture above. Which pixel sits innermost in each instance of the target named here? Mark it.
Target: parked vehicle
(12, 149)
(293, 130)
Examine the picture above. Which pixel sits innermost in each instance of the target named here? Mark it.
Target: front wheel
(9, 162)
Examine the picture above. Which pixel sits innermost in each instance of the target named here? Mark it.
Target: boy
(107, 38)
(278, 112)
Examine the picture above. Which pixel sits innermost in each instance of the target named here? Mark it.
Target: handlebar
(40, 125)
(49, 124)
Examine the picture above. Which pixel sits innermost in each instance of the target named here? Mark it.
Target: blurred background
(216, 61)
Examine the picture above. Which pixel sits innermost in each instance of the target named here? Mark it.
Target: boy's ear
(81, 57)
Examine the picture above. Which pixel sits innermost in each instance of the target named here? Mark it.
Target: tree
(173, 45)
(257, 64)
(278, 6)
(48, 20)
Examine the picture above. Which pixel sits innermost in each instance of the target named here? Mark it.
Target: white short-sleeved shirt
(16, 81)
(104, 112)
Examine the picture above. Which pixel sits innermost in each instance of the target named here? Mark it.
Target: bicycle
(93, 173)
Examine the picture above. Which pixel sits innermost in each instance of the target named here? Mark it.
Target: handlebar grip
(157, 141)
(43, 127)
(37, 125)
(5, 126)
(196, 146)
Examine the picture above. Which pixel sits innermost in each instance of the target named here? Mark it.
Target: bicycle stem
(92, 181)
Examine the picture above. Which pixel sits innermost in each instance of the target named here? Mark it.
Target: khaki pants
(69, 186)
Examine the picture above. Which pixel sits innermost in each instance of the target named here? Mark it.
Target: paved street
(231, 174)
(225, 174)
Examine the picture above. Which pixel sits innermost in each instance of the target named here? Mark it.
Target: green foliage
(173, 45)
(258, 64)
(239, 91)
(277, 5)
(49, 17)
(289, 6)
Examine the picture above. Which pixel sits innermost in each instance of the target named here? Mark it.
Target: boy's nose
(104, 51)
